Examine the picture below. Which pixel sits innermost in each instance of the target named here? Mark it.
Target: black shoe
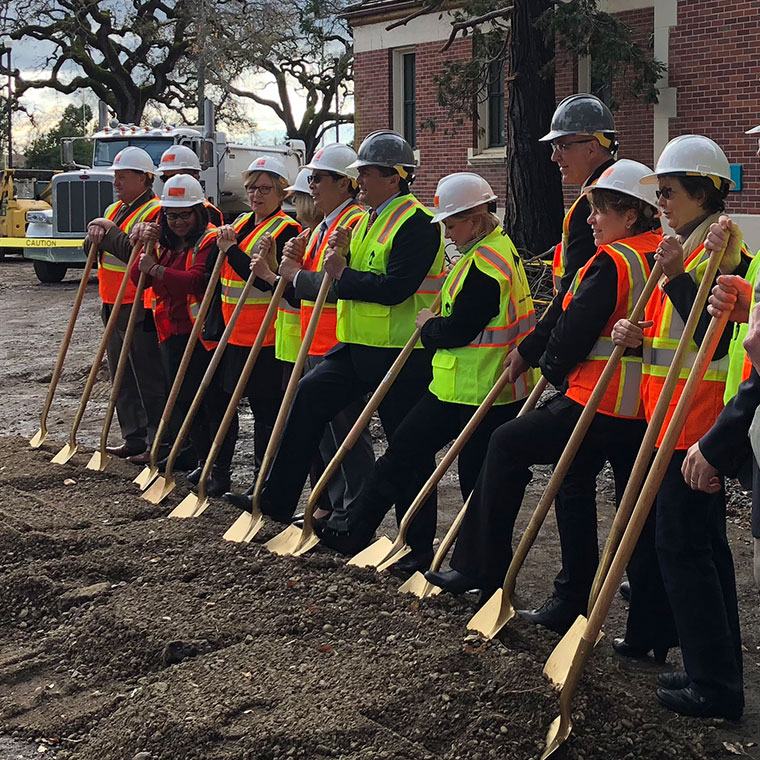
(123, 451)
(452, 581)
(555, 614)
(218, 483)
(690, 701)
(194, 477)
(186, 461)
(673, 679)
(624, 649)
(625, 590)
(342, 542)
(412, 563)
(240, 500)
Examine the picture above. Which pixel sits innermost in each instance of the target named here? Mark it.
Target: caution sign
(12, 242)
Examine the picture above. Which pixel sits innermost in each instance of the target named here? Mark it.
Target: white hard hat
(269, 164)
(179, 157)
(301, 185)
(335, 158)
(134, 158)
(691, 156)
(459, 192)
(624, 176)
(753, 131)
(181, 191)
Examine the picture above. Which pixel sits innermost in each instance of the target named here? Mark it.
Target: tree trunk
(534, 211)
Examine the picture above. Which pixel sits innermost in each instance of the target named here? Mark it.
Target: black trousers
(400, 473)
(322, 393)
(698, 572)
(214, 405)
(483, 550)
(263, 392)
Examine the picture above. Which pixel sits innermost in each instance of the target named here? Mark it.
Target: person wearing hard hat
(181, 159)
(583, 142)
(332, 191)
(486, 309)
(176, 275)
(142, 394)
(386, 271)
(627, 231)
(254, 242)
(694, 178)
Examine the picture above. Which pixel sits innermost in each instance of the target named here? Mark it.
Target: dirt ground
(128, 636)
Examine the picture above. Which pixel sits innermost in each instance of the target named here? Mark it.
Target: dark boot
(218, 482)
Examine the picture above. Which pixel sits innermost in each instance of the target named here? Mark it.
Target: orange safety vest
(623, 395)
(325, 337)
(660, 343)
(252, 315)
(112, 270)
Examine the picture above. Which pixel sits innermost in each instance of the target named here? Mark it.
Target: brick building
(712, 87)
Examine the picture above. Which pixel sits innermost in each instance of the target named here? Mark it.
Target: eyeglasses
(263, 189)
(315, 179)
(666, 193)
(564, 147)
(172, 216)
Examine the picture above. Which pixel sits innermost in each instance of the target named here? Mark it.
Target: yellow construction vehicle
(21, 191)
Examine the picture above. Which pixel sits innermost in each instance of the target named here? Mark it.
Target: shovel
(417, 584)
(39, 437)
(560, 660)
(247, 525)
(163, 486)
(71, 447)
(562, 725)
(499, 609)
(383, 553)
(150, 471)
(296, 541)
(192, 505)
(100, 458)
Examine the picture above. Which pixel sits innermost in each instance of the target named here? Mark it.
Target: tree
(45, 151)
(312, 54)
(526, 34)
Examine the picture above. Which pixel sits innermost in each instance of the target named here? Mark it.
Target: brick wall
(372, 92)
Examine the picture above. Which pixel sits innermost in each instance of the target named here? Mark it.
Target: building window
(405, 94)
(495, 104)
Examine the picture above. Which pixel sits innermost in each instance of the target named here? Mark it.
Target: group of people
(359, 223)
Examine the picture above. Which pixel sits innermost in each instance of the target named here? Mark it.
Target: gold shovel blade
(491, 618)
(160, 489)
(373, 555)
(98, 461)
(146, 477)
(244, 528)
(285, 542)
(307, 543)
(391, 560)
(38, 438)
(418, 586)
(556, 736)
(190, 506)
(65, 454)
(558, 665)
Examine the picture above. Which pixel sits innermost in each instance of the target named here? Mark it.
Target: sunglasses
(666, 193)
(564, 147)
(315, 179)
(172, 216)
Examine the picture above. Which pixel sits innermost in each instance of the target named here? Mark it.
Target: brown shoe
(123, 451)
(143, 458)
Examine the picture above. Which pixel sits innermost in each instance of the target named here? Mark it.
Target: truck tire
(49, 271)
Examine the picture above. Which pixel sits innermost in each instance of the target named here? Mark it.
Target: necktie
(322, 233)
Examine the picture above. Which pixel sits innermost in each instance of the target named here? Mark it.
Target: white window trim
(398, 86)
(481, 154)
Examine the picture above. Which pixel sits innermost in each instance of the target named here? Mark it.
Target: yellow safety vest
(373, 324)
(465, 375)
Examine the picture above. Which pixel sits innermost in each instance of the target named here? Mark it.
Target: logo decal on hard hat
(606, 173)
(436, 201)
(261, 162)
(117, 159)
(170, 157)
(177, 191)
(319, 153)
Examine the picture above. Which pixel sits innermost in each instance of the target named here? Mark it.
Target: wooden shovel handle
(662, 459)
(69, 332)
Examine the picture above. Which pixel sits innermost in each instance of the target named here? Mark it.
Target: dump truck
(82, 193)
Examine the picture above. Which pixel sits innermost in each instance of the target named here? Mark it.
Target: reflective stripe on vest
(252, 315)
(193, 301)
(325, 337)
(466, 374)
(623, 395)
(111, 269)
(660, 343)
(373, 324)
(739, 365)
(559, 263)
